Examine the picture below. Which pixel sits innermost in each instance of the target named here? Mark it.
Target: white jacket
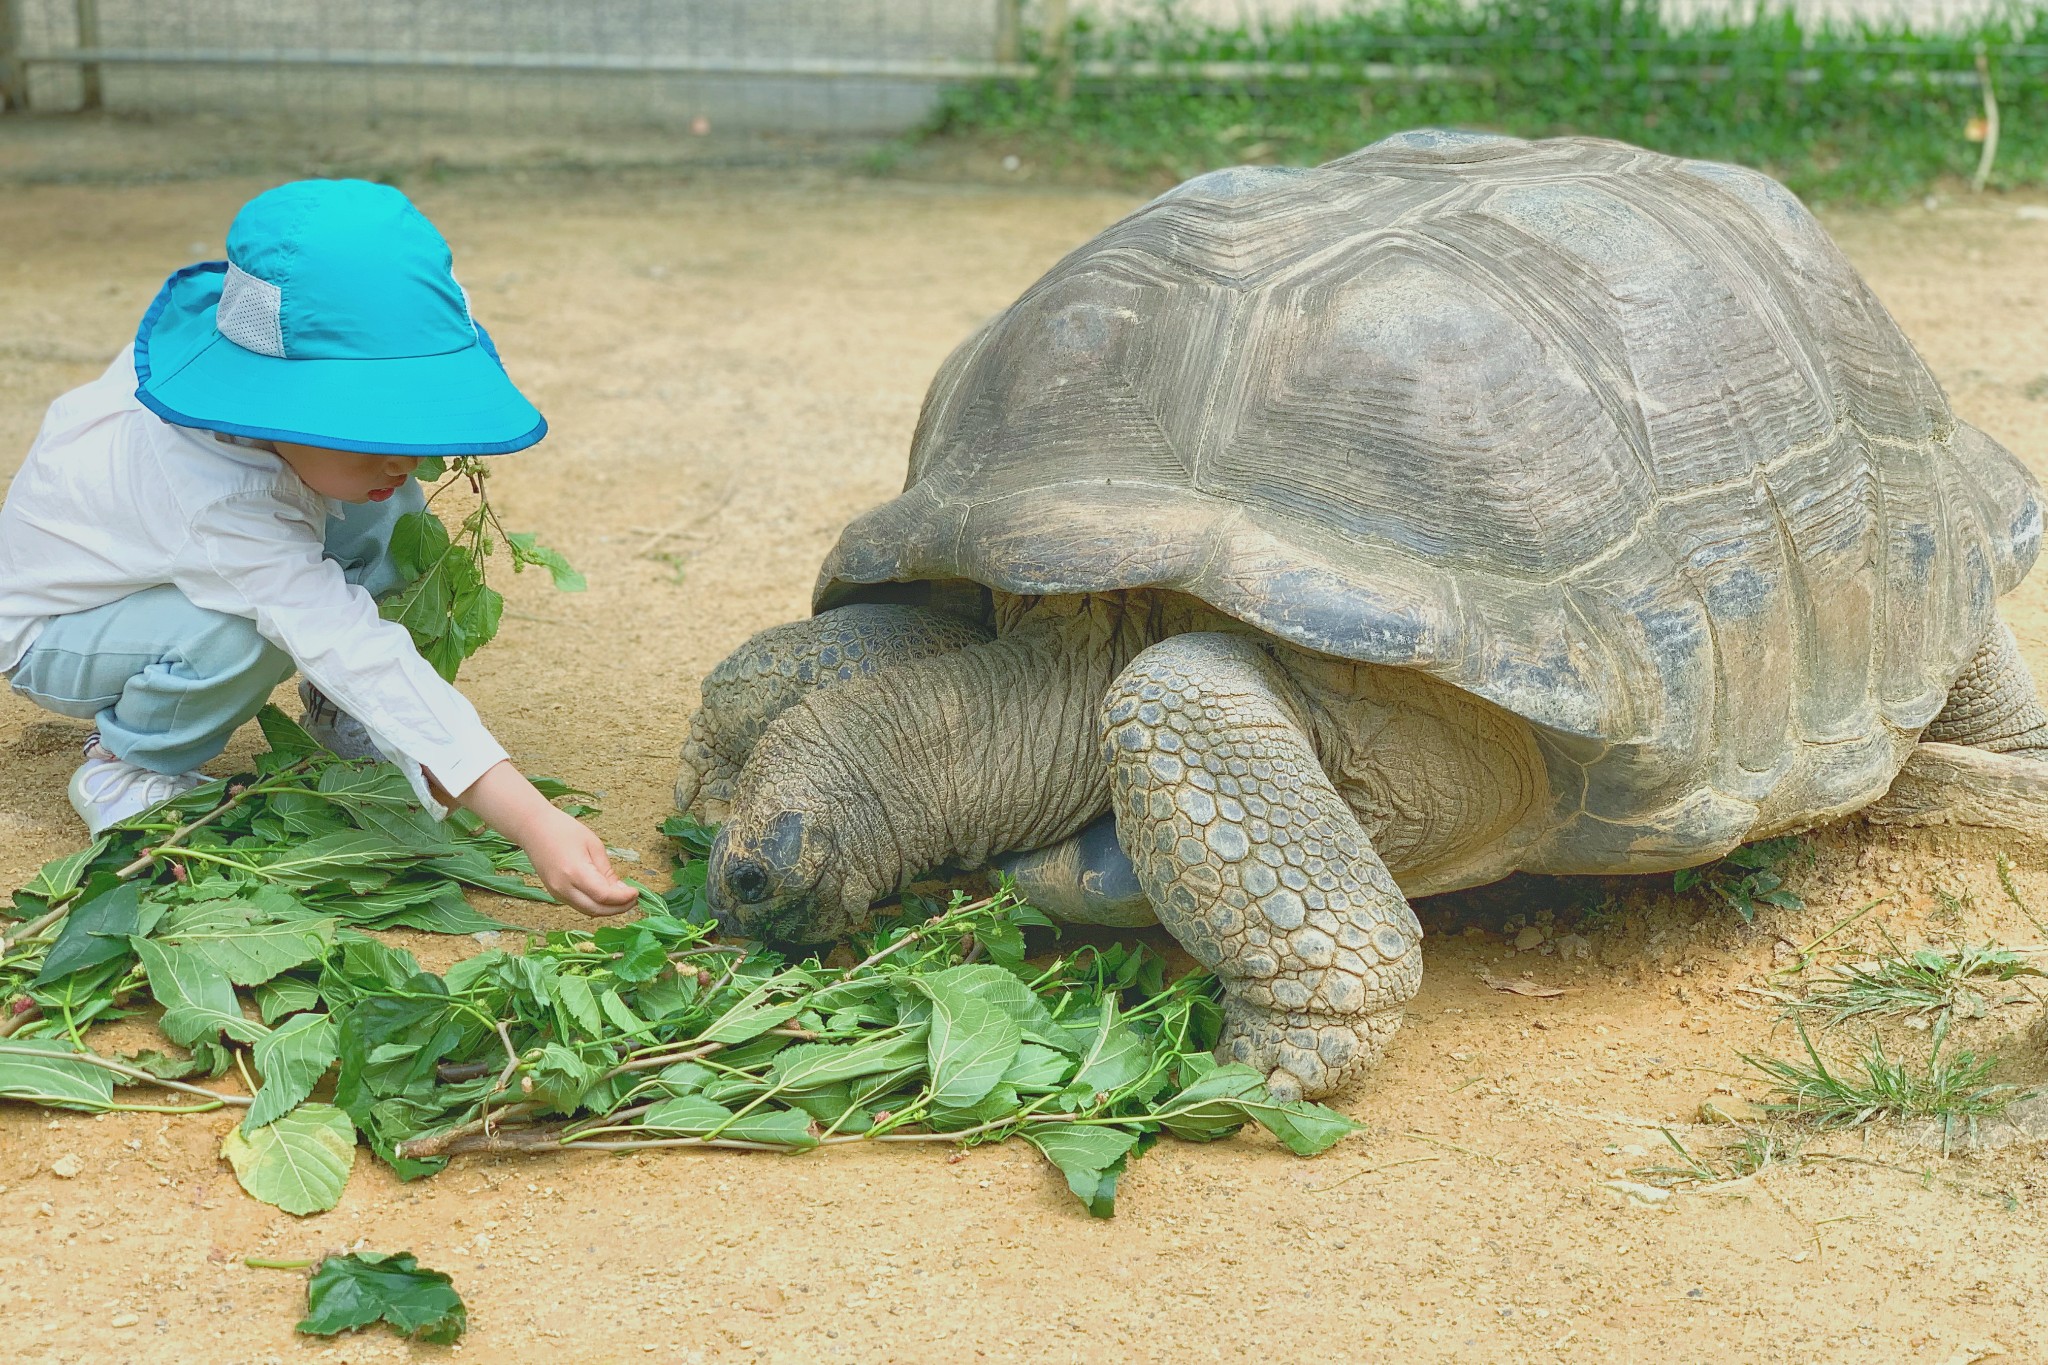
(112, 499)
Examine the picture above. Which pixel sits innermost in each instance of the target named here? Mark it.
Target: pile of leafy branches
(642, 1034)
(446, 602)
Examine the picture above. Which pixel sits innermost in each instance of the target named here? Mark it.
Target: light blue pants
(168, 682)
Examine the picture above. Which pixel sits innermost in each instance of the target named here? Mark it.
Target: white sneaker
(106, 790)
(338, 732)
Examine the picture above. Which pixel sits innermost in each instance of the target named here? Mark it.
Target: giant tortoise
(1324, 538)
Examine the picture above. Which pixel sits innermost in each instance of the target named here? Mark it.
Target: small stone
(1530, 937)
(1013, 162)
(1574, 946)
(125, 1319)
(66, 1167)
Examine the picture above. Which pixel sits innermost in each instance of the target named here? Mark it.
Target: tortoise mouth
(777, 912)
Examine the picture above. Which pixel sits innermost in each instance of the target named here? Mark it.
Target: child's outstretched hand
(569, 859)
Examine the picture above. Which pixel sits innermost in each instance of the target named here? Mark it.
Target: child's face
(347, 474)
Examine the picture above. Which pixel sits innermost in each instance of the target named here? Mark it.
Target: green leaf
(684, 1078)
(98, 929)
(621, 1014)
(248, 952)
(348, 1292)
(526, 550)
(809, 1065)
(1213, 1105)
(299, 1163)
(574, 995)
(1038, 1069)
(998, 1103)
(1307, 1129)
(291, 1061)
(199, 1001)
(42, 1071)
(753, 1016)
(1000, 988)
(285, 736)
(418, 542)
(330, 856)
(1091, 1157)
(641, 954)
(1114, 1058)
(560, 1078)
(694, 835)
(59, 877)
(972, 1044)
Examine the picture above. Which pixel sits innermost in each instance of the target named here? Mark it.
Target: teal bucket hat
(335, 321)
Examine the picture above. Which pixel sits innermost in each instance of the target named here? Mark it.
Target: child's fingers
(593, 899)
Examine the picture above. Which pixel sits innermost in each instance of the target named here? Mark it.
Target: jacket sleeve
(258, 555)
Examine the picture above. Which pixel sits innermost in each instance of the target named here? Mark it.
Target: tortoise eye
(749, 883)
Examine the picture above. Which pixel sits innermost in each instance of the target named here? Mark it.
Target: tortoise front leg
(1255, 863)
(766, 675)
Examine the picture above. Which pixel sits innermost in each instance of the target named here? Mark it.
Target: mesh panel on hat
(249, 313)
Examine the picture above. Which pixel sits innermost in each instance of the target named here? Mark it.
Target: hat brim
(455, 403)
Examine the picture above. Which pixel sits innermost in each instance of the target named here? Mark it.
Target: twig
(1435, 1141)
(663, 1060)
(693, 520)
(1373, 1170)
(913, 936)
(511, 1057)
(439, 1144)
(553, 1142)
(1866, 907)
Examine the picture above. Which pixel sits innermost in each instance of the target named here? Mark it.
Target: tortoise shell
(1619, 442)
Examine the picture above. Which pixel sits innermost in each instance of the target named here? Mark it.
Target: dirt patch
(732, 367)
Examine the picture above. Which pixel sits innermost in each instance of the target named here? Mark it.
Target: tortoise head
(788, 864)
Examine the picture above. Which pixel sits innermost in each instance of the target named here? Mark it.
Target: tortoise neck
(987, 749)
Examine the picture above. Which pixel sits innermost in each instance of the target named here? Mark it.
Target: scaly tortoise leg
(1984, 759)
(1255, 863)
(766, 675)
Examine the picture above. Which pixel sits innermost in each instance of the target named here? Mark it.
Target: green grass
(1870, 111)
(1954, 1088)
(1928, 984)
(1756, 1149)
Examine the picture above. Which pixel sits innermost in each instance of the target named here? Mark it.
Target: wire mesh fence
(853, 66)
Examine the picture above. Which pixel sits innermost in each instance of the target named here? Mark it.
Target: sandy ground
(732, 366)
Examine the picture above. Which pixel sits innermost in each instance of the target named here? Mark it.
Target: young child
(214, 512)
